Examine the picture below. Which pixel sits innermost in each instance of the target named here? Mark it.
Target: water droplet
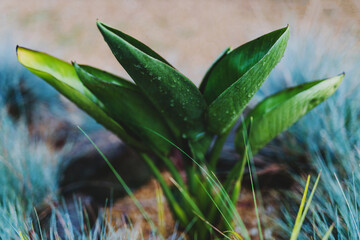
(199, 135)
(183, 135)
(159, 78)
(185, 119)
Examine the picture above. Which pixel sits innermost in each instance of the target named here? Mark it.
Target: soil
(125, 211)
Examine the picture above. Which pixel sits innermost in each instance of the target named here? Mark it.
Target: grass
(333, 147)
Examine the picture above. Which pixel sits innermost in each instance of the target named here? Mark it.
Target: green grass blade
(173, 203)
(216, 205)
(302, 204)
(255, 202)
(328, 232)
(297, 227)
(225, 197)
(122, 182)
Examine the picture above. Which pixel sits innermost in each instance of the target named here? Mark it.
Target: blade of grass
(160, 208)
(235, 234)
(187, 197)
(38, 223)
(255, 203)
(125, 186)
(212, 226)
(297, 227)
(225, 196)
(302, 204)
(173, 171)
(215, 204)
(174, 205)
(348, 205)
(328, 232)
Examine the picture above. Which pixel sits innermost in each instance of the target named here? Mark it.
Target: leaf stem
(174, 205)
(173, 171)
(216, 150)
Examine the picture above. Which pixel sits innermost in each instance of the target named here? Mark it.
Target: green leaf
(125, 103)
(108, 77)
(236, 78)
(211, 69)
(175, 96)
(134, 42)
(278, 112)
(328, 232)
(62, 76)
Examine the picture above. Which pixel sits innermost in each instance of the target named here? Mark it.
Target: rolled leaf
(211, 69)
(278, 112)
(238, 76)
(62, 76)
(126, 104)
(175, 96)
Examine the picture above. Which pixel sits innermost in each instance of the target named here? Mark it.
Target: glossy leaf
(237, 77)
(278, 112)
(108, 77)
(126, 104)
(175, 96)
(62, 76)
(211, 69)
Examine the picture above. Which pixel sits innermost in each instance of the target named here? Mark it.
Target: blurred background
(190, 34)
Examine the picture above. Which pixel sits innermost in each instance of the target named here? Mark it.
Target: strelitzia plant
(163, 110)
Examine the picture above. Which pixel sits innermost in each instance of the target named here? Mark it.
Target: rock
(85, 171)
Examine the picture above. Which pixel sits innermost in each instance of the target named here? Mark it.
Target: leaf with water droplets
(278, 112)
(160, 82)
(126, 104)
(235, 79)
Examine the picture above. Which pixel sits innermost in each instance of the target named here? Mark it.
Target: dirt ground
(190, 34)
(125, 211)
